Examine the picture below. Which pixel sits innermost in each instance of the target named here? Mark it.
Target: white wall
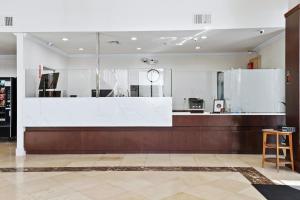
(120, 15)
(8, 66)
(293, 3)
(36, 54)
(174, 61)
(273, 53)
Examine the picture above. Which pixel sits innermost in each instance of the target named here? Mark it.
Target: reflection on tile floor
(126, 185)
(131, 185)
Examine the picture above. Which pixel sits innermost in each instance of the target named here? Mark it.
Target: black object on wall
(8, 107)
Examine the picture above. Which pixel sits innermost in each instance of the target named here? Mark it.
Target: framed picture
(219, 106)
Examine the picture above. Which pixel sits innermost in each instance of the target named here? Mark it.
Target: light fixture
(261, 31)
(203, 37)
(50, 44)
(179, 44)
(114, 42)
(188, 38)
(80, 49)
(133, 38)
(65, 39)
(251, 51)
(168, 38)
(197, 48)
(138, 48)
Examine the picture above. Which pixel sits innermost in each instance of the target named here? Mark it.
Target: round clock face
(153, 75)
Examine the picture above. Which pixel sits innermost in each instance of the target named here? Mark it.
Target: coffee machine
(196, 105)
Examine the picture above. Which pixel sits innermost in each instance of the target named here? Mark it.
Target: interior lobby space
(140, 100)
(138, 176)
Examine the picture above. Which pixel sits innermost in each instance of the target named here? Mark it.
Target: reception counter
(189, 133)
(98, 112)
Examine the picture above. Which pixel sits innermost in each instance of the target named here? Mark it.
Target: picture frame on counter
(219, 106)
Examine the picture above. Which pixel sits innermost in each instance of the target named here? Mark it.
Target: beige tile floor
(142, 185)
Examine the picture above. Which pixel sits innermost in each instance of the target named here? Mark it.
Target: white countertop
(207, 113)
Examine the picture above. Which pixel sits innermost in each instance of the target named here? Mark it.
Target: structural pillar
(20, 151)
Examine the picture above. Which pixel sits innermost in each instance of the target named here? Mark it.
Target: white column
(20, 151)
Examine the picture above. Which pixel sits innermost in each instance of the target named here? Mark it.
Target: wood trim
(292, 71)
(292, 11)
(190, 134)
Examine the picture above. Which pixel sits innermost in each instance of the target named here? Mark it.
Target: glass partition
(121, 82)
(243, 90)
(260, 90)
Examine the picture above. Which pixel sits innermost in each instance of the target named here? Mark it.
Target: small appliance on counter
(103, 93)
(196, 105)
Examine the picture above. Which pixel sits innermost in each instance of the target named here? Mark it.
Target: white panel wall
(8, 65)
(174, 61)
(120, 15)
(273, 53)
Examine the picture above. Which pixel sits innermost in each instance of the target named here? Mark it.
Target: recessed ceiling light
(80, 49)
(133, 38)
(138, 48)
(168, 38)
(179, 44)
(203, 37)
(198, 48)
(65, 39)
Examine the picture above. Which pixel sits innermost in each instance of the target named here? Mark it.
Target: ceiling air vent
(114, 42)
(202, 19)
(6, 21)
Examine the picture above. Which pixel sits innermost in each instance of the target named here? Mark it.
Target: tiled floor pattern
(131, 185)
(126, 185)
(253, 176)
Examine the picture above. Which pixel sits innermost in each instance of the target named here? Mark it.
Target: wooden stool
(278, 146)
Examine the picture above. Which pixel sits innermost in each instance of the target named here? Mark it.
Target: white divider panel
(98, 112)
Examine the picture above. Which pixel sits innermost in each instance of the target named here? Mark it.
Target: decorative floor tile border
(249, 173)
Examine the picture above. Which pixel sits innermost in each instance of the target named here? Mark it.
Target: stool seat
(278, 160)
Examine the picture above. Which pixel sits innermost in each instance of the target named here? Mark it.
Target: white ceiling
(7, 44)
(218, 41)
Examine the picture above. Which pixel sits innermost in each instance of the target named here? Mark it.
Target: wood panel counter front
(189, 134)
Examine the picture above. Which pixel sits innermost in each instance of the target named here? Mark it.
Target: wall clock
(153, 75)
